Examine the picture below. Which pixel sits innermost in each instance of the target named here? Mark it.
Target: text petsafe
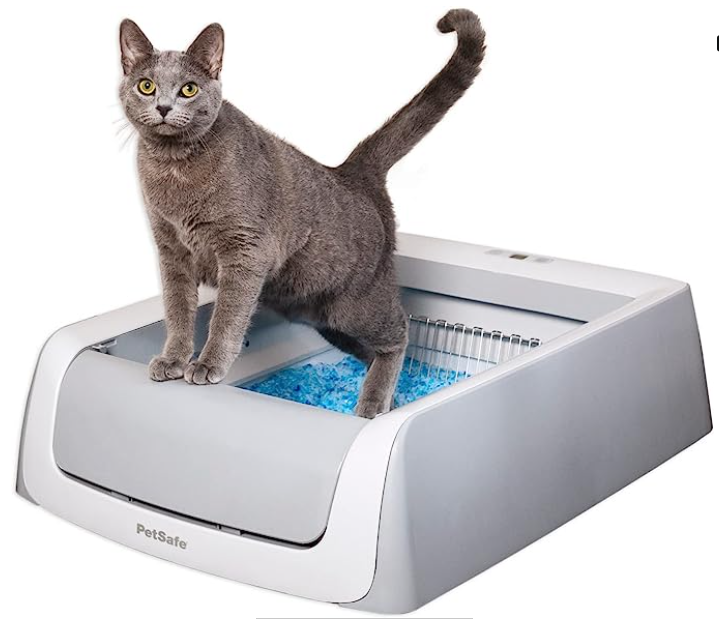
(161, 536)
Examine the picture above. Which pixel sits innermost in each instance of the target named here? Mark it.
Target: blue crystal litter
(336, 386)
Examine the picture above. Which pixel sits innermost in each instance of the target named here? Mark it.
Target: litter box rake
(451, 351)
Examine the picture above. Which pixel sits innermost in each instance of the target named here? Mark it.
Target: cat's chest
(169, 186)
(179, 203)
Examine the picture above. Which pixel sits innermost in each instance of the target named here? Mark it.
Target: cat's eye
(146, 86)
(189, 90)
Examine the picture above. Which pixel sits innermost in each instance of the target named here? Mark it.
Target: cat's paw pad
(165, 368)
(199, 373)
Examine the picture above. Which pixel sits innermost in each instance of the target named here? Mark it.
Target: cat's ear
(134, 45)
(207, 49)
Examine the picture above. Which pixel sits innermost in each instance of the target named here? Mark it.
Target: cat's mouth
(163, 126)
(166, 128)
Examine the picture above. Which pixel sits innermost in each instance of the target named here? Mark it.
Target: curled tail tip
(461, 21)
(470, 36)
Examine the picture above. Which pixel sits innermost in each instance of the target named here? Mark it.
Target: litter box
(552, 384)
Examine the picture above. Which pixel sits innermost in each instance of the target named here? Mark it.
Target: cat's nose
(163, 109)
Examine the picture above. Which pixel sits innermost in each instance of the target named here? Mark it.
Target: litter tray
(533, 388)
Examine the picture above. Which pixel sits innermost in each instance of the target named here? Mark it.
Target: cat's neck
(170, 148)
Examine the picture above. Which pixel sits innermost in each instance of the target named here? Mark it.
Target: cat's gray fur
(235, 207)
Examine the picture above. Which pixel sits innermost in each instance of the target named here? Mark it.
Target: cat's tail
(381, 150)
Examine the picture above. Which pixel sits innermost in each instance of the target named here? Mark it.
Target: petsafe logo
(161, 537)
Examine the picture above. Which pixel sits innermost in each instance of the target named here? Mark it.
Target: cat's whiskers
(123, 127)
(132, 132)
(129, 137)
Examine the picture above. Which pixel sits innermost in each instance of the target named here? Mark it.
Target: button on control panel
(512, 255)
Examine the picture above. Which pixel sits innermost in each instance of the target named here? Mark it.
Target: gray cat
(235, 207)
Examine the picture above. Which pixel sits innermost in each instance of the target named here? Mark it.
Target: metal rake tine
(459, 352)
(440, 351)
(467, 341)
(515, 345)
(452, 346)
(424, 345)
(469, 354)
(412, 343)
(447, 350)
(433, 348)
(496, 346)
(479, 351)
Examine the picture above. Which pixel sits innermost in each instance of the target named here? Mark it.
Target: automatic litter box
(549, 385)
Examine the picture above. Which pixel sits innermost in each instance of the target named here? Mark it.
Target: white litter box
(564, 383)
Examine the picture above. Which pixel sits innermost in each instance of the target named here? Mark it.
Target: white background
(591, 134)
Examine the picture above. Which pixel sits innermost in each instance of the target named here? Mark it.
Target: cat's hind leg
(378, 322)
(347, 344)
(380, 383)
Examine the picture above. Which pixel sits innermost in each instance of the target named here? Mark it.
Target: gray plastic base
(392, 512)
(495, 470)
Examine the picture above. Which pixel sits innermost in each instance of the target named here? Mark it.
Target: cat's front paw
(201, 373)
(166, 368)
(369, 408)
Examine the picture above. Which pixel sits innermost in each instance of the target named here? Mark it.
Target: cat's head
(171, 94)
